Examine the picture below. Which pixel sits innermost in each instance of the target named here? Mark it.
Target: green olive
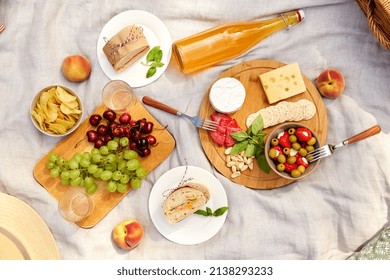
(272, 153)
(281, 158)
(274, 141)
(291, 131)
(312, 141)
(309, 148)
(292, 138)
(280, 167)
(302, 152)
(296, 146)
(286, 151)
(302, 169)
(296, 173)
(291, 159)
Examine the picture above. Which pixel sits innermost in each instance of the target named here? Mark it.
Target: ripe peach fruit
(128, 234)
(330, 83)
(76, 68)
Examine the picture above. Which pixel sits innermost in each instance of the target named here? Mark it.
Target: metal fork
(196, 121)
(328, 149)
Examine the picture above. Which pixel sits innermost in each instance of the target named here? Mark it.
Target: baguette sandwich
(184, 201)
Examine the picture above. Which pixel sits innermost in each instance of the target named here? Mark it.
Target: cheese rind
(282, 82)
(227, 95)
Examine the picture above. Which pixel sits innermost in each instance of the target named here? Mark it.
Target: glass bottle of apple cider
(227, 41)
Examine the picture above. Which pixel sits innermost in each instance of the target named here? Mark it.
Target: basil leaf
(262, 162)
(239, 147)
(151, 72)
(209, 211)
(158, 55)
(157, 64)
(239, 136)
(257, 125)
(250, 150)
(201, 212)
(220, 211)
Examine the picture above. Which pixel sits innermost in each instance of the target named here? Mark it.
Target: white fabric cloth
(325, 216)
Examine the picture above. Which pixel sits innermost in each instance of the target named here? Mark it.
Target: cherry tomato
(302, 161)
(284, 140)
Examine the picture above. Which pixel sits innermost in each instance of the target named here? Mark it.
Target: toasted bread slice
(184, 201)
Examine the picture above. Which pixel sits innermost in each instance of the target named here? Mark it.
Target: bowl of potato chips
(56, 111)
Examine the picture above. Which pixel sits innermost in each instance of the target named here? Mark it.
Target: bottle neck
(293, 18)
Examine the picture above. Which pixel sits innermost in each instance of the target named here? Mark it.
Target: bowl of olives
(286, 149)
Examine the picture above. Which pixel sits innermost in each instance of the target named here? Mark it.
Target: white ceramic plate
(155, 32)
(196, 228)
(23, 233)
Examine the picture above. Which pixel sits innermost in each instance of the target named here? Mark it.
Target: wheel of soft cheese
(227, 95)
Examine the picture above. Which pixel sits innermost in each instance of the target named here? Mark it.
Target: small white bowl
(34, 104)
(271, 162)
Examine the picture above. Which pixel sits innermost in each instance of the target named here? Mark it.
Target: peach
(128, 234)
(76, 68)
(330, 83)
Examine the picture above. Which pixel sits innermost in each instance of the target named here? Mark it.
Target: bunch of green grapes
(113, 163)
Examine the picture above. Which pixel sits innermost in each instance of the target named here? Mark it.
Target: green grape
(53, 157)
(112, 145)
(124, 141)
(116, 175)
(76, 157)
(129, 154)
(91, 189)
(95, 151)
(111, 158)
(54, 173)
(133, 164)
(92, 168)
(106, 175)
(65, 175)
(84, 162)
(50, 165)
(73, 164)
(121, 165)
(86, 155)
(98, 172)
(111, 167)
(135, 183)
(111, 186)
(141, 172)
(104, 150)
(75, 181)
(97, 158)
(121, 187)
(125, 179)
(60, 161)
(74, 173)
(88, 181)
(65, 182)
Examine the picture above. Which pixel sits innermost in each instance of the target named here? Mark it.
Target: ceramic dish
(23, 233)
(196, 228)
(274, 134)
(156, 34)
(70, 130)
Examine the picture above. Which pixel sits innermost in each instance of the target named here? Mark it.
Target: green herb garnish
(209, 212)
(252, 142)
(153, 60)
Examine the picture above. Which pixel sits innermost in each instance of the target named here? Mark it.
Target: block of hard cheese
(282, 82)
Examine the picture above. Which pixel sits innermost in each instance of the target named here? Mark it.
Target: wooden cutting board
(248, 73)
(103, 200)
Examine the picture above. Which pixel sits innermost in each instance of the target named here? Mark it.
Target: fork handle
(157, 104)
(364, 134)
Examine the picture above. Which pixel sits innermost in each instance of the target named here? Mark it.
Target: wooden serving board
(248, 73)
(103, 200)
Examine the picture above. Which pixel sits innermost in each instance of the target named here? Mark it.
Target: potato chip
(56, 110)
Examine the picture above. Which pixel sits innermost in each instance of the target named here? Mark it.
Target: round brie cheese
(227, 95)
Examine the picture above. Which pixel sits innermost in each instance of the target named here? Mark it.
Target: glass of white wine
(75, 205)
(118, 96)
